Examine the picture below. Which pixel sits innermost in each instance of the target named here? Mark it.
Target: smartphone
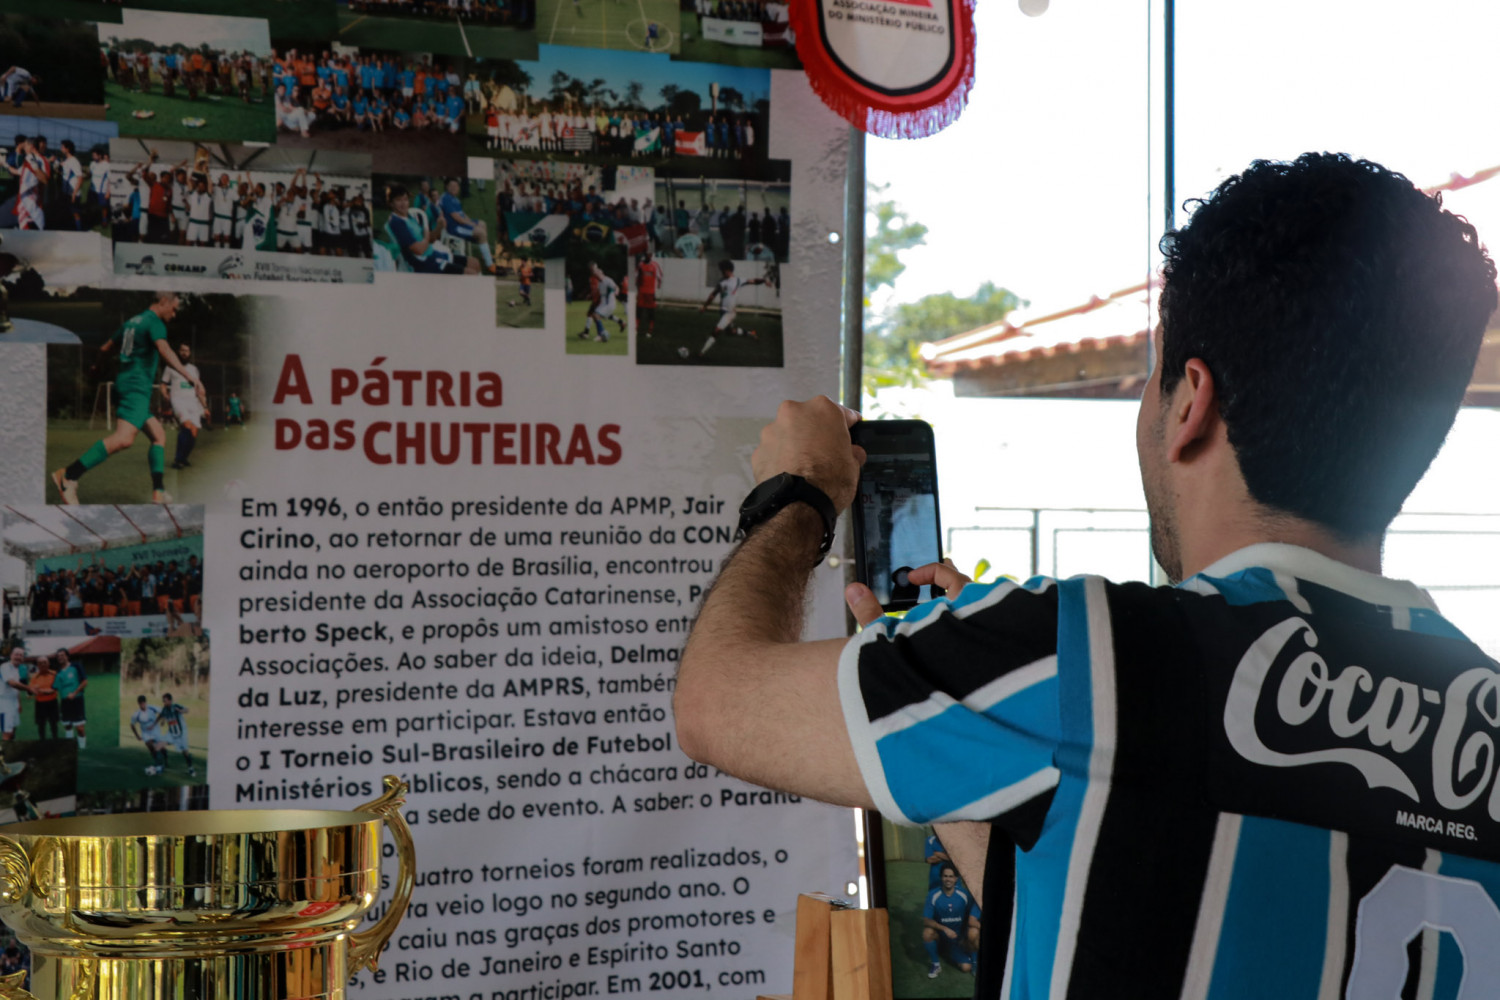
(896, 510)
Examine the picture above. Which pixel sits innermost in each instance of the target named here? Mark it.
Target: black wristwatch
(782, 491)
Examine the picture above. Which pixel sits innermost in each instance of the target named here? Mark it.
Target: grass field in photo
(618, 344)
(520, 316)
(609, 24)
(217, 460)
(227, 119)
(679, 326)
(696, 48)
(906, 894)
(451, 38)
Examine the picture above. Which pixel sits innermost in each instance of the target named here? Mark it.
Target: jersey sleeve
(403, 231)
(953, 712)
(928, 913)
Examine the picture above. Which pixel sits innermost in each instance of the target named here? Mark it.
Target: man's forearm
(760, 593)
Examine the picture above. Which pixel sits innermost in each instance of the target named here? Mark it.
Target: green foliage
(894, 335)
(888, 232)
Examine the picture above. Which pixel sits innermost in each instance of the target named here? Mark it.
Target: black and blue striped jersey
(1275, 780)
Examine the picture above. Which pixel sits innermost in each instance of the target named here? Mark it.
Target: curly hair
(1340, 311)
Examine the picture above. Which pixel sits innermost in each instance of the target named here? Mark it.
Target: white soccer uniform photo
(183, 395)
(224, 202)
(728, 290)
(34, 175)
(200, 216)
(607, 292)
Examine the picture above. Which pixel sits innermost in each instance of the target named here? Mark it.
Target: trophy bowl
(247, 904)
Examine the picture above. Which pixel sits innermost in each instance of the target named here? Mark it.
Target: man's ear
(1194, 411)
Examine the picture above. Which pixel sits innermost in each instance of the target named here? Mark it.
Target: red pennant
(900, 69)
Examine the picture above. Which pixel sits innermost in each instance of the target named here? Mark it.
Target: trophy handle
(11, 988)
(366, 946)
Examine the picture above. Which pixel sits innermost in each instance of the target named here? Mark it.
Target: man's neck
(1210, 547)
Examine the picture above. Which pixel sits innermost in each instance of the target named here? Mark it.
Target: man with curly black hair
(1277, 777)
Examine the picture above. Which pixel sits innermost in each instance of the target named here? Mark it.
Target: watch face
(764, 491)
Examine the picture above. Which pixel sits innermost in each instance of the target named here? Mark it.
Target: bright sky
(228, 34)
(1042, 186)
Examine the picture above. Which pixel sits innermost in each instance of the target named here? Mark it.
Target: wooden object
(860, 945)
(812, 964)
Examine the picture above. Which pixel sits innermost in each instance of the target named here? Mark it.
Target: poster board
(444, 535)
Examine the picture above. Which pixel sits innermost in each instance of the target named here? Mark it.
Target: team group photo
(249, 212)
(188, 76)
(631, 108)
(406, 109)
(120, 569)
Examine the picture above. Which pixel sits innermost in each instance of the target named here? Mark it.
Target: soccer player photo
(647, 26)
(111, 417)
(49, 178)
(520, 299)
(152, 720)
(188, 76)
(132, 569)
(934, 919)
(405, 109)
(735, 320)
(435, 225)
(739, 33)
(241, 212)
(500, 28)
(633, 109)
(51, 68)
(597, 288)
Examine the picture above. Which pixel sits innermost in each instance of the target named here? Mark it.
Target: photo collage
(610, 163)
(606, 170)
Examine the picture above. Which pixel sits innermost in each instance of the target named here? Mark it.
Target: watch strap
(794, 489)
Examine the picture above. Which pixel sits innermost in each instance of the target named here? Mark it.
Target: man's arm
(752, 699)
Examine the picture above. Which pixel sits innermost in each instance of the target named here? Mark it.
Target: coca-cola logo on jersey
(1373, 724)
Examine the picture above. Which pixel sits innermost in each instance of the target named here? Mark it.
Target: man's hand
(944, 575)
(952, 934)
(811, 439)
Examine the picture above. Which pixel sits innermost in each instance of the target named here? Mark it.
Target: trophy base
(316, 971)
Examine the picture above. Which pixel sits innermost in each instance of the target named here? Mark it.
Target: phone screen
(899, 515)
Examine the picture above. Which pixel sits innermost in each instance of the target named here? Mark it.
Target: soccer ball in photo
(682, 352)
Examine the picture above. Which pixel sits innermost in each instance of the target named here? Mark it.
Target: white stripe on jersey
(1427, 979)
(1338, 917)
(1100, 773)
(1200, 965)
(980, 699)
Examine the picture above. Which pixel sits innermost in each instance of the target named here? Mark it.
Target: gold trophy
(238, 905)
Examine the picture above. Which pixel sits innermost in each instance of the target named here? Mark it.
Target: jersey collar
(1314, 567)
